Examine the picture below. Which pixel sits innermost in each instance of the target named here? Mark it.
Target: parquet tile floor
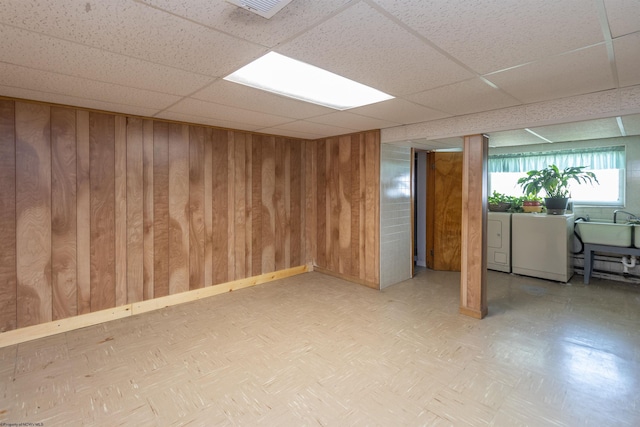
(313, 350)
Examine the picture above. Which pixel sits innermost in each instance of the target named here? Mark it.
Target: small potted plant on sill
(499, 202)
(555, 183)
(532, 203)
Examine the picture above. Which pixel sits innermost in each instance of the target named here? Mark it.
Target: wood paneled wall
(348, 206)
(99, 210)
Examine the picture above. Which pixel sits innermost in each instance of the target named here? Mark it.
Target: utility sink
(607, 233)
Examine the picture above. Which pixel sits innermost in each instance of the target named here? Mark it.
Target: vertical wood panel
(295, 215)
(278, 202)
(311, 197)
(231, 205)
(239, 209)
(8, 286)
(135, 210)
(370, 207)
(287, 204)
(333, 247)
(355, 206)
(208, 208)
(447, 211)
(196, 208)
(473, 276)
(268, 207)
(63, 213)
(103, 207)
(344, 194)
(83, 217)
(121, 208)
(148, 210)
(161, 208)
(178, 208)
(33, 213)
(363, 209)
(321, 215)
(248, 187)
(220, 206)
(256, 208)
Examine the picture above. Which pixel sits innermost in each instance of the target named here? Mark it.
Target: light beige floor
(314, 350)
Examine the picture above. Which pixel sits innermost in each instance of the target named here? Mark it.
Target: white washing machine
(541, 246)
(499, 241)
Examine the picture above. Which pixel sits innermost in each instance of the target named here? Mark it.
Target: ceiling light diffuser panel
(264, 8)
(295, 79)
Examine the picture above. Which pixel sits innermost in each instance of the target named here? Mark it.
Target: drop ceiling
(440, 59)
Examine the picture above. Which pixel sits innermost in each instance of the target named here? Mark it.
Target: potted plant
(499, 202)
(531, 203)
(555, 183)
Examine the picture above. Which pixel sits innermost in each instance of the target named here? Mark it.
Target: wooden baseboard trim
(473, 313)
(346, 277)
(29, 333)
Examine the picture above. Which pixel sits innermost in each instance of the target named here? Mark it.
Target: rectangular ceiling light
(295, 79)
(264, 8)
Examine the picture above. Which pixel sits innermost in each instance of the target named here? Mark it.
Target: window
(608, 163)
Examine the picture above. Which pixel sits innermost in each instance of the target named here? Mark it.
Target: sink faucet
(631, 217)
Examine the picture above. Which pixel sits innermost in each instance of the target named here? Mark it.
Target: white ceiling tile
(44, 81)
(56, 98)
(236, 95)
(210, 110)
(496, 34)
(188, 118)
(513, 137)
(631, 124)
(133, 29)
(74, 59)
(352, 121)
(293, 19)
(470, 96)
(579, 131)
(582, 71)
(363, 45)
(399, 111)
(627, 53)
(313, 128)
(623, 16)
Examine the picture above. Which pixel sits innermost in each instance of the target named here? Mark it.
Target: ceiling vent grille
(264, 8)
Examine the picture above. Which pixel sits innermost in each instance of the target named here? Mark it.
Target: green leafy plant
(497, 198)
(555, 182)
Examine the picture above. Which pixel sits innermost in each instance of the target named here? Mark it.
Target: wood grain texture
(83, 216)
(196, 207)
(473, 276)
(256, 202)
(295, 205)
(355, 206)
(345, 189)
(447, 225)
(33, 213)
(8, 285)
(208, 208)
(135, 210)
(248, 201)
(178, 208)
(310, 198)
(321, 205)
(63, 213)
(120, 153)
(161, 209)
(372, 207)
(240, 206)
(103, 208)
(268, 205)
(148, 210)
(220, 206)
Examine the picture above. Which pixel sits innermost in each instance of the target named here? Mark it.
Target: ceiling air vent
(264, 8)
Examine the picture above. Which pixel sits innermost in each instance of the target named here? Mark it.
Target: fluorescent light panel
(295, 79)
